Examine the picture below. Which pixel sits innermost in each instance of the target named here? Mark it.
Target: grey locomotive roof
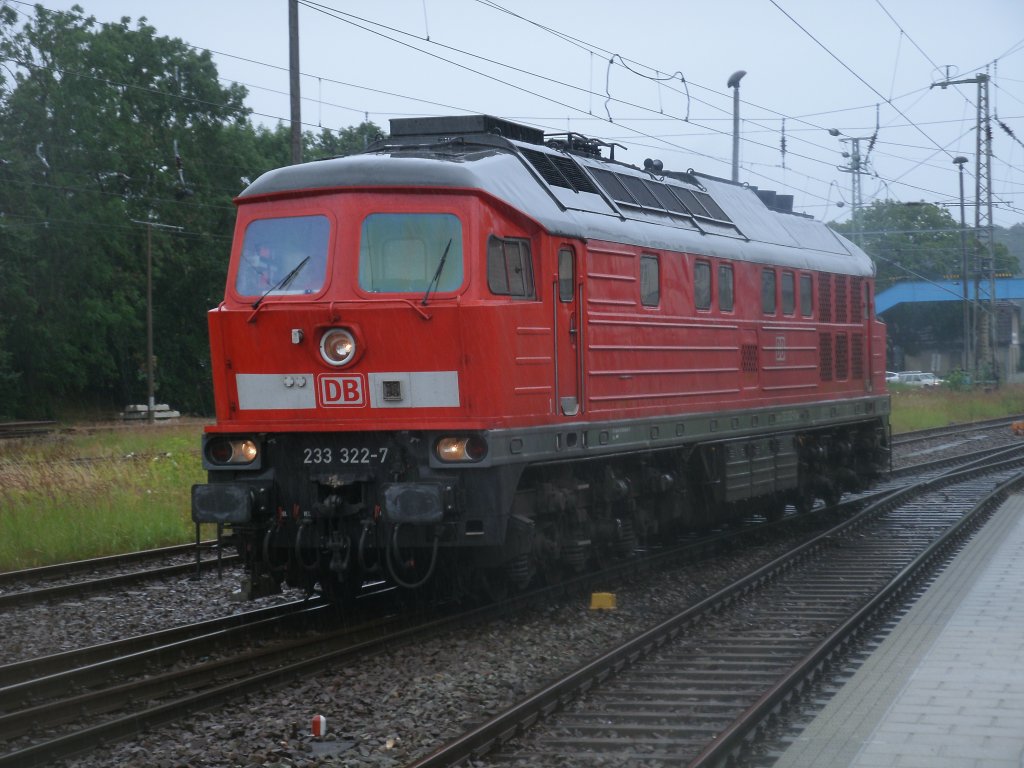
(575, 205)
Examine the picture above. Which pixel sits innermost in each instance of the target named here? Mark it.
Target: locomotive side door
(568, 330)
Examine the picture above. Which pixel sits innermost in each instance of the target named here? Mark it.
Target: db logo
(334, 391)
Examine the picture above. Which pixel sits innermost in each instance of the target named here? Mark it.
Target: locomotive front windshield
(410, 253)
(283, 256)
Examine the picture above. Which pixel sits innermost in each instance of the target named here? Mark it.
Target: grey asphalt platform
(945, 689)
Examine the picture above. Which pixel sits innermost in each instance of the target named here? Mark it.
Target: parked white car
(919, 379)
(891, 376)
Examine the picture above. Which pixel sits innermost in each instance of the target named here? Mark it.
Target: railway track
(103, 678)
(958, 430)
(951, 441)
(74, 579)
(698, 688)
(11, 430)
(116, 690)
(36, 679)
(201, 687)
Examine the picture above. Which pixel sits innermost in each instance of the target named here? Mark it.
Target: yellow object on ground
(602, 601)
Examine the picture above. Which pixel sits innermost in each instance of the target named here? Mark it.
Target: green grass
(915, 408)
(97, 491)
(93, 492)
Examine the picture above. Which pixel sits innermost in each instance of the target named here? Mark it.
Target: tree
(107, 132)
(103, 129)
(275, 143)
(920, 241)
(347, 141)
(1013, 240)
(915, 241)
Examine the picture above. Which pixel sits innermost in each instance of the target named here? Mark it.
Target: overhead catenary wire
(793, 124)
(608, 95)
(361, 23)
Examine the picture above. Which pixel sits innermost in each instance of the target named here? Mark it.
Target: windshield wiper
(437, 274)
(284, 282)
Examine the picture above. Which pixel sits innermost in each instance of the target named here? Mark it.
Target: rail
(10, 430)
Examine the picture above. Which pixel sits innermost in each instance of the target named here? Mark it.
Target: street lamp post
(959, 162)
(734, 83)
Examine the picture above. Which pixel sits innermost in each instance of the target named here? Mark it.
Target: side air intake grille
(825, 356)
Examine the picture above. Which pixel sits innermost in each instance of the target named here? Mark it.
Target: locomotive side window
(410, 253)
(768, 291)
(806, 297)
(650, 280)
(510, 267)
(788, 293)
(702, 285)
(283, 256)
(566, 275)
(726, 291)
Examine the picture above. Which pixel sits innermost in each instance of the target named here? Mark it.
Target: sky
(651, 76)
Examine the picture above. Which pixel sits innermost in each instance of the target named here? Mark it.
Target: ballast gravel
(383, 712)
(43, 629)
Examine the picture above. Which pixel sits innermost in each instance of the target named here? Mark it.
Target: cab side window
(510, 267)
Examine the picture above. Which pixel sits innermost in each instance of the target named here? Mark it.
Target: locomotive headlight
(460, 449)
(337, 347)
(232, 451)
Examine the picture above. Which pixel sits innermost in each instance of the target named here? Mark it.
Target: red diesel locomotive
(474, 354)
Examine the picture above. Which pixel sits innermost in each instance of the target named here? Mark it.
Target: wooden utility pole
(293, 70)
(150, 376)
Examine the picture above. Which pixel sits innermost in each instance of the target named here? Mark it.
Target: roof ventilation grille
(559, 171)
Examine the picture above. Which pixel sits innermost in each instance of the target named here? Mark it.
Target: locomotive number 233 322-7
(343, 455)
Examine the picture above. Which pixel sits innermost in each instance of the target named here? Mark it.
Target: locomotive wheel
(833, 496)
(342, 593)
(774, 509)
(455, 581)
(804, 502)
(493, 584)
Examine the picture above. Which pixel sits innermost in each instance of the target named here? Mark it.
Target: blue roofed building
(925, 322)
